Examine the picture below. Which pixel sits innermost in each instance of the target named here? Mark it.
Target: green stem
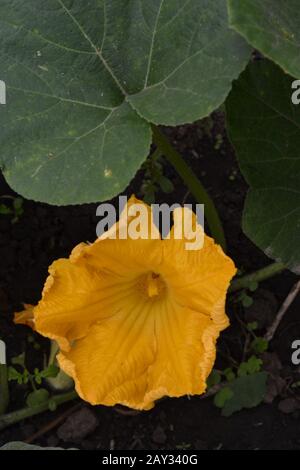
(260, 275)
(4, 393)
(193, 183)
(19, 415)
(54, 350)
(62, 382)
(31, 380)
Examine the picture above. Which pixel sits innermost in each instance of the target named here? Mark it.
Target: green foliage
(229, 374)
(83, 88)
(245, 299)
(86, 82)
(83, 91)
(213, 379)
(52, 405)
(244, 389)
(252, 326)
(50, 371)
(223, 395)
(37, 397)
(244, 385)
(22, 376)
(250, 367)
(264, 128)
(19, 360)
(247, 391)
(253, 286)
(219, 142)
(154, 178)
(19, 377)
(259, 345)
(15, 208)
(5, 210)
(272, 26)
(4, 389)
(25, 376)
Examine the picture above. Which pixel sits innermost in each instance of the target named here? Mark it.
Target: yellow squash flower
(136, 320)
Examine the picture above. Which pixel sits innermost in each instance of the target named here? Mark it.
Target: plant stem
(4, 393)
(31, 380)
(19, 415)
(260, 275)
(282, 311)
(62, 382)
(193, 183)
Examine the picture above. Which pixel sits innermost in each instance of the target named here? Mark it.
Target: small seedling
(233, 175)
(222, 396)
(23, 377)
(245, 299)
(218, 142)
(15, 208)
(253, 286)
(37, 397)
(183, 446)
(252, 326)
(154, 179)
(229, 374)
(247, 391)
(249, 367)
(214, 379)
(259, 345)
(296, 384)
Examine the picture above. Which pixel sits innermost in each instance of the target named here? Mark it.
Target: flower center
(152, 285)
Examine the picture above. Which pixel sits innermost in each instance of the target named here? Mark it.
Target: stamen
(152, 285)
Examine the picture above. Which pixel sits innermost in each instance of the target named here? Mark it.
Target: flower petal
(26, 317)
(97, 280)
(198, 278)
(159, 349)
(118, 251)
(110, 365)
(79, 297)
(137, 319)
(186, 350)
(135, 211)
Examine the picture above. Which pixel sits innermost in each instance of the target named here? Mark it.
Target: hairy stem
(193, 183)
(260, 275)
(19, 415)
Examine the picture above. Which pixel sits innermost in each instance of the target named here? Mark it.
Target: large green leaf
(83, 78)
(272, 26)
(264, 127)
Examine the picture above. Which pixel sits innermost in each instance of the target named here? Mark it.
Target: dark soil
(44, 233)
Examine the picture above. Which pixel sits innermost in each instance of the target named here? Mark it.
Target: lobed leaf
(246, 392)
(272, 26)
(85, 78)
(264, 126)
